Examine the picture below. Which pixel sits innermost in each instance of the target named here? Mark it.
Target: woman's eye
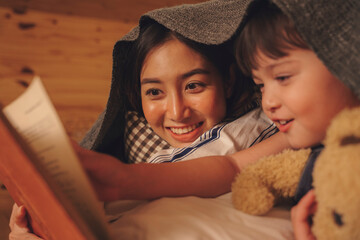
(195, 87)
(191, 86)
(152, 92)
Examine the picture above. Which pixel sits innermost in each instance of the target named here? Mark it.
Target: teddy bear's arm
(256, 189)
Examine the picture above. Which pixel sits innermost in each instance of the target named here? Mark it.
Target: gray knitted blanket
(330, 28)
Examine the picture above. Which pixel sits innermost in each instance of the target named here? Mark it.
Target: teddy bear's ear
(344, 128)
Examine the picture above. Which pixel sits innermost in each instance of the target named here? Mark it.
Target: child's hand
(300, 215)
(19, 225)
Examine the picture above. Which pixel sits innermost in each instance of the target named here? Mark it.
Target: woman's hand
(300, 215)
(19, 225)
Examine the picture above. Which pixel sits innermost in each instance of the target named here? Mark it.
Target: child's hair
(268, 30)
(153, 35)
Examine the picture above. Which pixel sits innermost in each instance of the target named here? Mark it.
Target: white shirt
(223, 139)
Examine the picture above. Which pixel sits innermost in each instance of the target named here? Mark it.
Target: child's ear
(229, 85)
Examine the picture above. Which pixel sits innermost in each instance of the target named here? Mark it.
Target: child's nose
(270, 102)
(177, 108)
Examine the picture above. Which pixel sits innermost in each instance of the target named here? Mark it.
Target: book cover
(41, 170)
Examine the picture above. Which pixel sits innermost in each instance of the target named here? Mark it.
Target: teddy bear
(336, 180)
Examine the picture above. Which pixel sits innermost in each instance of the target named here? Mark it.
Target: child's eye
(194, 87)
(282, 78)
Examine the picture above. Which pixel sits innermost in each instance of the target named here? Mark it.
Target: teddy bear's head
(337, 180)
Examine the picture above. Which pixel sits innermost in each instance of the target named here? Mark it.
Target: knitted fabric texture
(330, 28)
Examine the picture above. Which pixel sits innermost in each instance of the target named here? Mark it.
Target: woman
(108, 134)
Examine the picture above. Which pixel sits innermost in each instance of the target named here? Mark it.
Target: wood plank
(73, 56)
(121, 10)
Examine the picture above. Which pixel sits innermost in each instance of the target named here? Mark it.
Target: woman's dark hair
(221, 56)
(269, 30)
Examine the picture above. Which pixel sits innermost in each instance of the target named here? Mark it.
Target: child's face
(182, 93)
(300, 95)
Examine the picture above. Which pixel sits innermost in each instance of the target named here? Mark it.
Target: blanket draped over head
(330, 27)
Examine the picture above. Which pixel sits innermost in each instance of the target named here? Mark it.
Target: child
(299, 93)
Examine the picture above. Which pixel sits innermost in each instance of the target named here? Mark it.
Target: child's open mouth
(283, 122)
(284, 125)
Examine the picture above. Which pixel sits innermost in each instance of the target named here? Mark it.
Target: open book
(40, 170)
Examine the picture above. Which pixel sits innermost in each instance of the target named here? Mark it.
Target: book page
(35, 119)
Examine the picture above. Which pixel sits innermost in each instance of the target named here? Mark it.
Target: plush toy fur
(336, 180)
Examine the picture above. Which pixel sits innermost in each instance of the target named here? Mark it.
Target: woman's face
(182, 93)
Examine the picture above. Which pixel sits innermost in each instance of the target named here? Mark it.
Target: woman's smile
(186, 134)
(184, 130)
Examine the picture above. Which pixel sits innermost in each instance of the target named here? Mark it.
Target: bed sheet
(193, 218)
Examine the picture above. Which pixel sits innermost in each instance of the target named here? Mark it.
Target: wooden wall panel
(73, 56)
(121, 10)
